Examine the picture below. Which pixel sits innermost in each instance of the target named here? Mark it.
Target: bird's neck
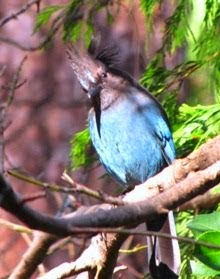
(108, 98)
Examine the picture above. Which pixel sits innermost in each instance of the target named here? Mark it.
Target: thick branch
(102, 253)
(33, 256)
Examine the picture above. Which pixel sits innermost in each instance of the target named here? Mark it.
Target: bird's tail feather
(164, 253)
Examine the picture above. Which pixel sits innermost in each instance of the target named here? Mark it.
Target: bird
(132, 137)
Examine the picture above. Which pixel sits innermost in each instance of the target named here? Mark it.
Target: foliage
(45, 15)
(191, 125)
(177, 26)
(196, 125)
(79, 147)
(75, 23)
(148, 8)
(206, 228)
(207, 48)
(201, 270)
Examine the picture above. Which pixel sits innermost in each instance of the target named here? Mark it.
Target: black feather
(108, 56)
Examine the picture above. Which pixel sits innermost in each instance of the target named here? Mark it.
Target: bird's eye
(104, 75)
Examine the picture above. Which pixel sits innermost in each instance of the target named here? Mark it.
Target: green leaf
(79, 27)
(207, 47)
(79, 146)
(72, 31)
(195, 126)
(88, 34)
(177, 26)
(44, 16)
(205, 222)
(200, 269)
(209, 256)
(148, 6)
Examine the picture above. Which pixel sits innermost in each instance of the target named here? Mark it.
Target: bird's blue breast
(134, 142)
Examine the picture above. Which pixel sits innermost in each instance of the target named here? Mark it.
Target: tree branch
(99, 258)
(33, 256)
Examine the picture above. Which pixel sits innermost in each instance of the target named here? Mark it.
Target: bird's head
(98, 77)
(91, 73)
(94, 72)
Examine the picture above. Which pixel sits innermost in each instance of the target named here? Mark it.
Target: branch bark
(33, 256)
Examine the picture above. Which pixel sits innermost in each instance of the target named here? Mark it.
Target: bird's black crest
(108, 56)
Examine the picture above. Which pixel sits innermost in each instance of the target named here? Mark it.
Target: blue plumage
(134, 142)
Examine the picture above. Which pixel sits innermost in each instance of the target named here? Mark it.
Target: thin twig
(95, 194)
(15, 227)
(77, 188)
(6, 87)
(33, 197)
(145, 233)
(59, 245)
(2, 70)
(44, 185)
(22, 10)
(14, 83)
(4, 107)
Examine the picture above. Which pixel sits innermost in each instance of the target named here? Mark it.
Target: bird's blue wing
(160, 124)
(164, 137)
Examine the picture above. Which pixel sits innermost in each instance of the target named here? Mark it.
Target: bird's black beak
(94, 90)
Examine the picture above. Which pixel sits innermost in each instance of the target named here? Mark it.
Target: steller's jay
(130, 132)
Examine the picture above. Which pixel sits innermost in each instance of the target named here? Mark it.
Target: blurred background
(48, 106)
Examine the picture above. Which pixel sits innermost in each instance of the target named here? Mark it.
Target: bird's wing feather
(164, 137)
(160, 130)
